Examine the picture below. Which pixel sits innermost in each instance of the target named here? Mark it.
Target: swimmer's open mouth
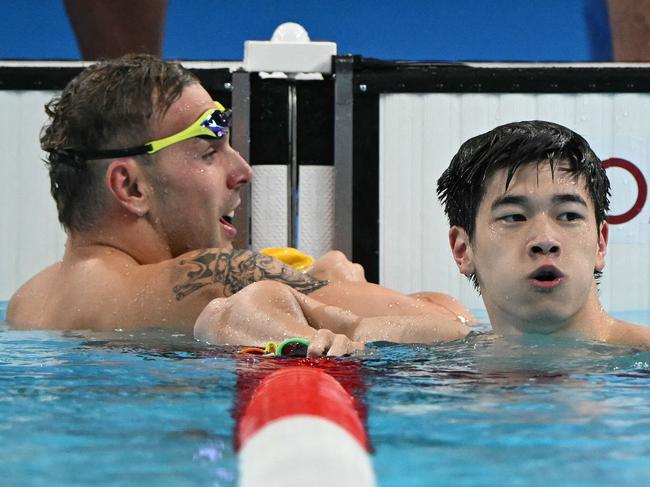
(546, 275)
(227, 225)
(227, 218)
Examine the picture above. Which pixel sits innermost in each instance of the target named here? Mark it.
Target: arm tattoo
(237, 269)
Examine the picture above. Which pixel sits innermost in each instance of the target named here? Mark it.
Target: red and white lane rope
(301, 428)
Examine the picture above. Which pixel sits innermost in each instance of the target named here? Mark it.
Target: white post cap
(289, 51)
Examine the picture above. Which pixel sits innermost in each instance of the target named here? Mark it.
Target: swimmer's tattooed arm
(237, 269)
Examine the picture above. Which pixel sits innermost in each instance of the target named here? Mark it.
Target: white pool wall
(419, 133)
(31, 235)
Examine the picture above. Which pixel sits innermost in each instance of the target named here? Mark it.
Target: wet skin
(162, 251)
(196, 181)
(534, 251)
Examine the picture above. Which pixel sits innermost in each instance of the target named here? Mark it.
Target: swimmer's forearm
(398, 329)
(258, 314)
(367, 299)
(408, 329)
(267, 311)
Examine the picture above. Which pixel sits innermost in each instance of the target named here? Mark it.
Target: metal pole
(241, 105)
(292, 168)
(343, 153)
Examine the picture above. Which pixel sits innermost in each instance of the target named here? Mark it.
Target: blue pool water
(156, 408)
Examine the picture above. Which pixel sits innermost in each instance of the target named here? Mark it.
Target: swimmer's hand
(270, 311)
(334, 266)
(327, 343)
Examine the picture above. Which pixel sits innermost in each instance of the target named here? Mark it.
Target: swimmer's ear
(601, 251)
(461, 250)
(126, 183)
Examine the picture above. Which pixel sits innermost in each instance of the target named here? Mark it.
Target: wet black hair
(462, 186)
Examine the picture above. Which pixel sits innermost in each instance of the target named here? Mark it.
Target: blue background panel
(445, 30)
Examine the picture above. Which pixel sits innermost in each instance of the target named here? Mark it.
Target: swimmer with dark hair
(527, 205)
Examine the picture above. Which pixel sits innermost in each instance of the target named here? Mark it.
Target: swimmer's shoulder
(29, 307)
(630, 334)
(64, 294)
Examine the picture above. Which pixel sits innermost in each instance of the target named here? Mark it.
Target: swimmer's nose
(544, 247)
(240, 172)
(543, 241)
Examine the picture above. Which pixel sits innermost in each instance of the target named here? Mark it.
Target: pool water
(155, 407)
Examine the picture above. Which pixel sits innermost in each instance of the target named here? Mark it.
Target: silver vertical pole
(241, 105)
(292, 168)
(343, 154)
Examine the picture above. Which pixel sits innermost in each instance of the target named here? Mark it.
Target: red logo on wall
(641, 185)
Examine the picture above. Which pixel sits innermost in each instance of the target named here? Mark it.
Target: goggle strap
(156, 145)
(117, 153)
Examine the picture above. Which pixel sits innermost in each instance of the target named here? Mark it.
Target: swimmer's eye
(569, 216)
(209, 155)
(516, 217)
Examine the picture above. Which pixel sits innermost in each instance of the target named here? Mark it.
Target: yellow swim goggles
(213, 123)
